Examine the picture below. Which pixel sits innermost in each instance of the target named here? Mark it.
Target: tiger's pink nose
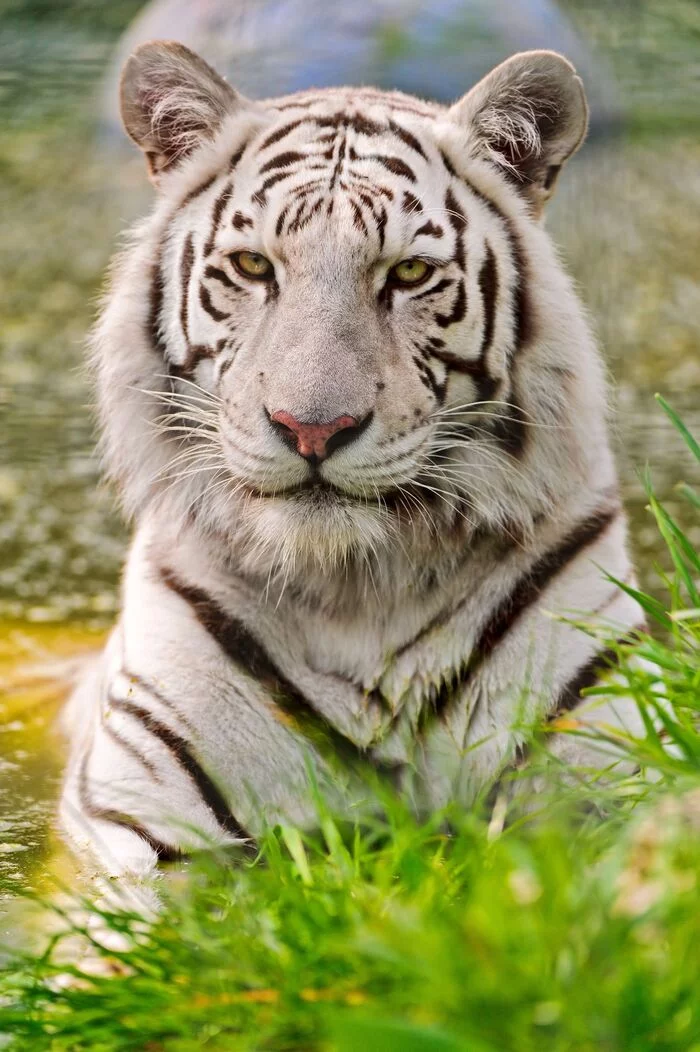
(315, 442)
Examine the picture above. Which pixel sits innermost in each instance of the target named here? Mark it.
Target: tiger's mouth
(314, 490)
(316, 495)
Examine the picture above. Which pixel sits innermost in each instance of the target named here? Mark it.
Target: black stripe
(393, 164)
(282, 132)
(399, 103)
(293, 104)
(216, 214)
(127, 746)
(227, 364)
(248, 654)
(234, 638)
(260, 195)
(180, 750)
(358, 122)
(378, 212)
(359, 219)
(427, 377)
(570, 698)
(362, 125)
(143, 684)
(197, 191)
(445, 283)
(468, 366)
(283, 160)
(381, 221)
(361, 180)
(525, 593)
(208, 306)
(165, 852)
(523, 322)
(280, 220)
(302, 221)
(533, 583)
(510, 428)
(304, 189)
(338, 164)
(239, 221)
(220, 275)
(408, 138)
(488, 286)
(458, 223)
(448, 165)
(196, 352)
(298, 215)
(587, 676)
(155, 308)
(430, 229)
(233, 163)
(186, 264)
(522, 308)
(458, 311)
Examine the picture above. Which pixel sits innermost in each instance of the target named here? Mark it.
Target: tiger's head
(343, 320)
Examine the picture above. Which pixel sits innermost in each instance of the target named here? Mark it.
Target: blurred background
(626, 215)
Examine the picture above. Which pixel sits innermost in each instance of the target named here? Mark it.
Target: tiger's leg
(133, 792)
(174, 746)
(531, 662)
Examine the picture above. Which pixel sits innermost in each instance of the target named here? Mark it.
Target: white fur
(341, 589)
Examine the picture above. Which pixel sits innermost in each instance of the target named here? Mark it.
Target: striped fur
(385, 614)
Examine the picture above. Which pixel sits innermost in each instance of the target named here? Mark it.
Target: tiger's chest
(374, 671)
(362, 668)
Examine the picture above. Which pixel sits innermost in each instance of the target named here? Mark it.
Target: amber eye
(410, 272)
(253, 265)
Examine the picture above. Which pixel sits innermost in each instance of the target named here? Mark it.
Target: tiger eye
(410, 271)
(253, 265)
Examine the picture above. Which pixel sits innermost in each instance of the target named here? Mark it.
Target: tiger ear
(529, 115)
(171, 101)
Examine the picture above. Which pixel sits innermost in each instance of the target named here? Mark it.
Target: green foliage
(108, 19)
(651, 47)
(572, 924)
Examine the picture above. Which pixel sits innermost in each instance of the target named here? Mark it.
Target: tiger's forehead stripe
(343, 160)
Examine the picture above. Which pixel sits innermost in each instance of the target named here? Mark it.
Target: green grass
(573, 924)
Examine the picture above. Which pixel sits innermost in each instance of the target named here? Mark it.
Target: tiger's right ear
(171, 101)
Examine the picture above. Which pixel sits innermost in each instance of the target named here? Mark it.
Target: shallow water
(627, 216)
(37, 665)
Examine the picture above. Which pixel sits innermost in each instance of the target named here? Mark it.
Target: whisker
(191, 383)
(448, 410)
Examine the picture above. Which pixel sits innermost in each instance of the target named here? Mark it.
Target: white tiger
(352, 401)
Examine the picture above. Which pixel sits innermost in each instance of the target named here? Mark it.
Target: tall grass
(572, 926)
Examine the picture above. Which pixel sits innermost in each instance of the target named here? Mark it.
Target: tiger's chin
(315, 527)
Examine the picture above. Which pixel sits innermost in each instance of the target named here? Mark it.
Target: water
(627, 216)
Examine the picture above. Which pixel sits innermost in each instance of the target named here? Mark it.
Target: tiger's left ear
(528, 116)
(172, 101)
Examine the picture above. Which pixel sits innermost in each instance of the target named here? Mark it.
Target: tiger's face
(321, 291)
(338, 296)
